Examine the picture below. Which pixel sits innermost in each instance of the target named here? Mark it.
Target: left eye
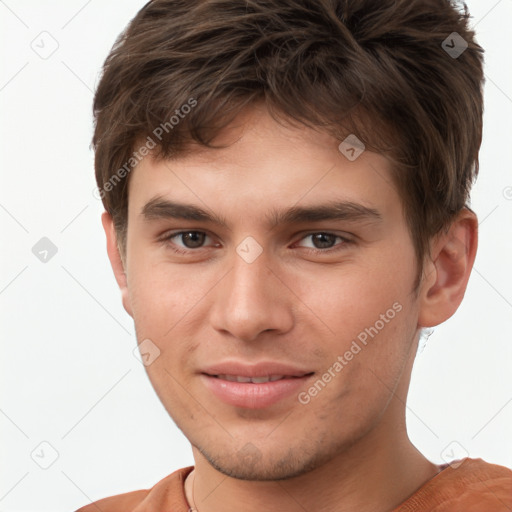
(323, 240)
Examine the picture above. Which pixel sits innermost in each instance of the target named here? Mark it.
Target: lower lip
(252, 395)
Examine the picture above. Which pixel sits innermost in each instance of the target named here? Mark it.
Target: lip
(254, 395)
(261, 369)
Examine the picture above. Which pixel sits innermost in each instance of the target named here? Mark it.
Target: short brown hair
(381, 70)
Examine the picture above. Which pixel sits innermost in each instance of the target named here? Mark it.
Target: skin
(347, 449)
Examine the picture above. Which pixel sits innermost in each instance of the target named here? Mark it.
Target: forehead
(265, 166)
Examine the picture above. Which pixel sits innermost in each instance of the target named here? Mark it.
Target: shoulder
(170, 487)
(486, 487)
(118, 503)
(469, 485)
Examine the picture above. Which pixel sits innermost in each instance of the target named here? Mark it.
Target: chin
(249, 463)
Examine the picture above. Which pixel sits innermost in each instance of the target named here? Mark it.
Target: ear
(447, 271)
(116, 260)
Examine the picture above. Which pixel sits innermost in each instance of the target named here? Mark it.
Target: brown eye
(192, 239)
(322, 241)
(183, 241)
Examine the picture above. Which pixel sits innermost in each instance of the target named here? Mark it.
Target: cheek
(161, 294)
(371, 314)
(350, 301)
(162, 300)
(367, 358)
(167, 303)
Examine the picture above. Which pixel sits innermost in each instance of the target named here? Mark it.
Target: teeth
(260, 380)
(254, 380)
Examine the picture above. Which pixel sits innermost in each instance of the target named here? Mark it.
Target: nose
(252, 299)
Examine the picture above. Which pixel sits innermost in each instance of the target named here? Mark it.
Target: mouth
(254, 392)
(257, 380)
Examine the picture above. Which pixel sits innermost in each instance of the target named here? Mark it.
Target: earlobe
(116, 260)
(453, 254)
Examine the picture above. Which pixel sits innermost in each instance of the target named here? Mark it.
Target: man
(285, 186)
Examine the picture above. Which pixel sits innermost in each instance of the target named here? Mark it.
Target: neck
(361, 478)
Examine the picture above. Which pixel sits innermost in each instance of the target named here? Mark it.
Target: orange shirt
(473, 486)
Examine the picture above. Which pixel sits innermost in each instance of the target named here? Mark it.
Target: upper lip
(261, 369)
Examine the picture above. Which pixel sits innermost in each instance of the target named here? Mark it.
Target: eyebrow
(161, 208)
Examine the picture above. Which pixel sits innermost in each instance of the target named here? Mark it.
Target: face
(261, 285)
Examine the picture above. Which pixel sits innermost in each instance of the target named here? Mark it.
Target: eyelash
(168, 238)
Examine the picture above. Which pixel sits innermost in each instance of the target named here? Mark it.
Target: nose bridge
(250, 298)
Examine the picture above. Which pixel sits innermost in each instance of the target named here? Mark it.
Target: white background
(68, 375)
